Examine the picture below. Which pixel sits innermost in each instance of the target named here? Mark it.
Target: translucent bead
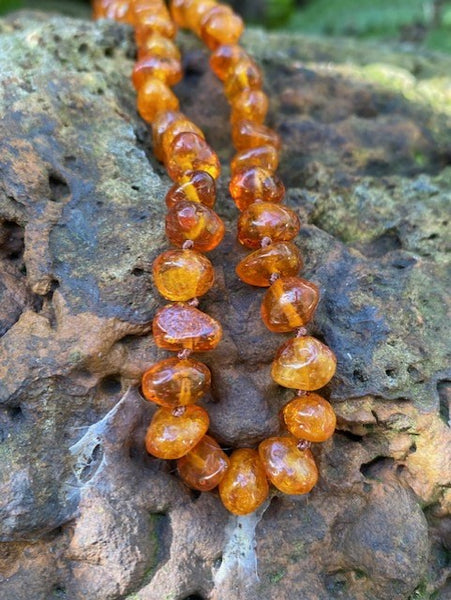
(310, 417)
(220, 25)
(290, 470)
(155, 96)
(204, 466)
(156, 44)
(251, 105)
(153, 21)
(195, 11)
(248, 134)
(177, 9)
(289, 303)
(258, 268)
(255, 184)
(173, 382)
(112, 9)
(244, 486)
(168, 69)
(265, 157)
(189, 152)
(173, 433)
(182, 125)
(197, 186)
(245, 75)
(303, 363)
(224, 59)
(180, 275)
(195, 222)
(266, 219)
(159, 125)
(179, 326)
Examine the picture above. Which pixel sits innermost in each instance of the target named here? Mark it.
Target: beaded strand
(179, 427)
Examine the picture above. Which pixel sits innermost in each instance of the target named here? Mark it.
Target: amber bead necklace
(178, 430)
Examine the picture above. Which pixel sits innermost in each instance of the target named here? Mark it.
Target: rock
(85, 512)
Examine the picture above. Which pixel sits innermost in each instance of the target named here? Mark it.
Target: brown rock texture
(85, 514)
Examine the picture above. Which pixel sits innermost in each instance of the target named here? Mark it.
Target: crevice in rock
(59, 188)
(111, 384)
(444, 394)
(375, 469)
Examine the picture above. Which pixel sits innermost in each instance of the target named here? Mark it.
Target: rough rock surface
(84, 512)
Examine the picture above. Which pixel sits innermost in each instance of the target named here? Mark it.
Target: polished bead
(265, 157)
(244, 486)
(176, 382)
(289, 303)
(180, 275)
(310, 417)
(153, 21)
(182, 125)
(168, 69)
(179, 326)
(255, 184)
(159, 125)
(204, 466)
(290, 470)
(280, 259)
(173, 433)
(248, 134)
(114, 9)
(195, 11)
(156, 44)
(303, 363)
(251, 105)
(197, 186)
(155, 96)
(220, 25)
(189, 152)
(224, 59)
(267, 220)
(244, 75)
(196, 222)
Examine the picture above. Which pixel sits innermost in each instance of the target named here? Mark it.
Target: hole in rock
(391, 373)
(137, 272)
(357, 375)
(83, 48)
(351, 436)
(109, 52)
(59, 189)
(194, 494)
(111, 384)
(444, 394)
(194, 597)
(136, 188)
(15, 413)
(11, 240)
(376, 467)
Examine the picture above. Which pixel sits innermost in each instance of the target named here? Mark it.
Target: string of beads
(178, 430)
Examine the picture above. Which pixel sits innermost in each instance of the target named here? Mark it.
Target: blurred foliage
(423, 22)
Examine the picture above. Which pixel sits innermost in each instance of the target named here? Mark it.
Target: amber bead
(244, 486)
(220, 25)
(173, 433)
(266, 220)
(195, 11)
(182, 125)
(204, 466)
(197, 186)
(251, 105)
(281, 259)
(155, 44)
(224, 59)
(254, 184)
(182, 274)
(290, 470)
(167, 69)
(189, 152)
(310, 417)
(153, 20)
(244, 75)
(248, 134)
(176, 382)
(196, 222)
(179, 326)
(155, 96)
(159, 125)
(303, 363)
(113, 9)
(289, 303)
(265, 157)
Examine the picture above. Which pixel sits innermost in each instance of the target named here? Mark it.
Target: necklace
(178, 430)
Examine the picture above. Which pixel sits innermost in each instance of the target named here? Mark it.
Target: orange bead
(310, 417)
(168, 69)
(220, 25)
(244, 486)
(244, 75)
(247, 134)
(204, 466)
(153, 20)
(155, 96)
(159, 125)
(290, 470)
(173, 382)
(195, 222)
(189, 152)
(267, 220)
(197, 186)
(182, 125)
(224, 59)
(265, 157)
(258, 268)
(183, 274)
(179, 326)
(156, 44)
(303, 363)
(289, 303)
(251, 105)
(255, 184)
(177, 9)
(173, 433)
(113, 9)
(195, 11)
